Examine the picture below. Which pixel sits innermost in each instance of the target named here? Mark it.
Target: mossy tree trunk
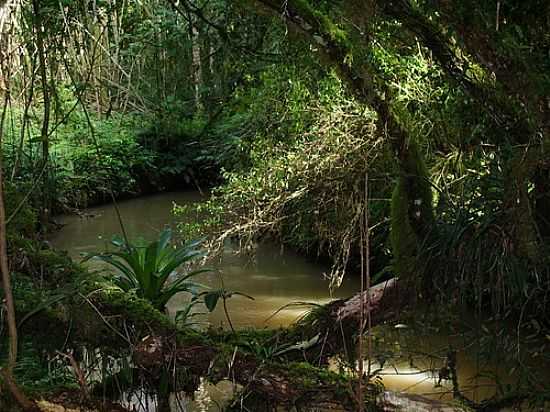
(412, 217)
(518, 206)
(509, 47)
(412, 196)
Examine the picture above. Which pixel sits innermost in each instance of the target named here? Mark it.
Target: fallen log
(293, 384)
(325, 332)
(337, 324)
(381, 301)
(288, 377)
(389, 401)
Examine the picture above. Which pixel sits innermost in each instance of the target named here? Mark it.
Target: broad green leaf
(211, 300)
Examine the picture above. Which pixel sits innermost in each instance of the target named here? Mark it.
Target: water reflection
(275, 278)
(207, 398)
(415, 361)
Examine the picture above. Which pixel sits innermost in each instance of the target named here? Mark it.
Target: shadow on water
(275, 278)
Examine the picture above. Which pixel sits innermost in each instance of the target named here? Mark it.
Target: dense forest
(400, 145)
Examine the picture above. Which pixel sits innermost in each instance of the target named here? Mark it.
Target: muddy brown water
(274, 277)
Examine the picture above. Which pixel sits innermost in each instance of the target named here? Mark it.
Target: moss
(412, 217)
(403, 239)
(39, 261)
(311, 378)
(98, 303)
(325, 25)
(71, 316)
(24, 222)
(41, 311)
(309, 375)
(132, 307)
(244, 336)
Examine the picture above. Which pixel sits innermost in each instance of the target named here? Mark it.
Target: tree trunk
(44, 134)
(196, 64)
(412, 218)
(4, 267)
(7, 373)
(413, 190)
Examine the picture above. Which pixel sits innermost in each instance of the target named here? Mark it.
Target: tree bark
(196, 64)
(44, 134)
(371, 89)
(514, 104)
(7, 373)
(6, 279)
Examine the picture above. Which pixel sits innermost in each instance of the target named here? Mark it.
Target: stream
(275, 277)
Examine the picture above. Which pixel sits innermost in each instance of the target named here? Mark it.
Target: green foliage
(30, 298)
(36, 259)
(112, 299)
(38, 374)
(21, 217)
(191, 149)
(122, 156)
(146, 269)
(88, 161)
(305, 183)
(88, 168)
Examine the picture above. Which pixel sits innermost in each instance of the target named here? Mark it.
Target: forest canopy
(398, 139)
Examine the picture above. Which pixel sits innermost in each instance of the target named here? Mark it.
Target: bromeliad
(152, 270)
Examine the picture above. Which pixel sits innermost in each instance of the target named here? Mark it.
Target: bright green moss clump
(412, 217)
(403, 239)
(325, 25)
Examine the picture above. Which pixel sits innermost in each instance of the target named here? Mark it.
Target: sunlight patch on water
(275, 279)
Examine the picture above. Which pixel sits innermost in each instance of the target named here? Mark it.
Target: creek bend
(275, 278)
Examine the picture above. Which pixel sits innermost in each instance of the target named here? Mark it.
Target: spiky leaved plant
(152, 270)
